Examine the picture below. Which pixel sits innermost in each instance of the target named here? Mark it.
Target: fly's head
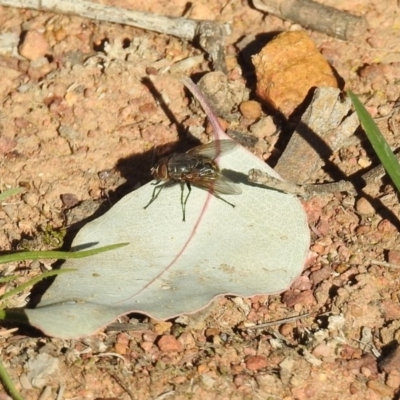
(160, 171)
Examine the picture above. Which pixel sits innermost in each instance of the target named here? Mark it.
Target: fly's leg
(183, 203)
(156, 192)
(225, 201)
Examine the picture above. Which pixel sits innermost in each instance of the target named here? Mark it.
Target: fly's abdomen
(207, 168)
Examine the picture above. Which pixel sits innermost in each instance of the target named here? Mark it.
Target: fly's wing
(220, 185)
(213, 149)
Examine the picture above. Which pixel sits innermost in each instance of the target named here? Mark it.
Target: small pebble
(254, 363)
(250, 109)
(211, 332)
(394, 256)
(385, 109)
(364, 162)
(380, 388)
(32, 199)
(364, 207)
(207, 381)
(301, 283)
(291, 298)
(69, 200)
(202, 369)
(286, 330)
(34, 46)
(393, 379)
(150, 337)
(60, 34)
(323, 350)
(162, 327)
(169, 343)
(385, 226)
(363, 229)
(265, 127)
(120, 348)
(239, 380)
(146, 346)
(7, 144)
(320, 275)
(366, 372)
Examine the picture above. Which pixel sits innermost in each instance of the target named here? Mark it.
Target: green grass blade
(10, 192)
(62, 255)
(8, 383)
(6, 279)
(378, 142)
(35, 255)
(34, 281)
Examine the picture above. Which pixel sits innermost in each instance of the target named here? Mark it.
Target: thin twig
(110, 354)
(121, 383)
(61, 391)
(45, 393)
(394, 110)
(316, 16)
(209, 34)
(8, 331)
(308, 191)
(385, 264)
(125, 327)
(165, 395)
(279, 321)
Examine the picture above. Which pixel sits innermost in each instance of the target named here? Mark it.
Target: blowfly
(196, 167)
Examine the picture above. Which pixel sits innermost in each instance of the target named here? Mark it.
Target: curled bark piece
(304, 191)
(309, 191)
(323, 128)
(211, 38)
(316, 16)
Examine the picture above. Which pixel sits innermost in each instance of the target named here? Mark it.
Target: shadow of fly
(196, 167)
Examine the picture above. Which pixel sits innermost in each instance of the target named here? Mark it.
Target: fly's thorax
(187, 167)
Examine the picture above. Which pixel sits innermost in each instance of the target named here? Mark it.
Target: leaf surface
(172, 267)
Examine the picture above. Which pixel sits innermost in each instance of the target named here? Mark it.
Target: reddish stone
(385, 226)
(393, 379)
(254, 363)
(7, 145)
(169, 343)
(291, 298)
(120, 348)
(321, 275)
(368, 361)
(380, 388)
(301, 283)
(391, 309)
(394, 256)
(146, 346)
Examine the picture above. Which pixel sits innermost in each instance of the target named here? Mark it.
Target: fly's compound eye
(160, 171)
(163, 171)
